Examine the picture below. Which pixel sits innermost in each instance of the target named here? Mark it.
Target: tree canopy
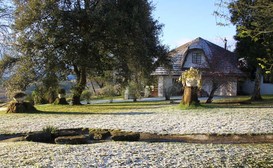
(5, 25)
(81, 36)
(254, 35)
(254, 24)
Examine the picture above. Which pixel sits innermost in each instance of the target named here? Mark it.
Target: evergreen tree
(253, 20)
(80, 36)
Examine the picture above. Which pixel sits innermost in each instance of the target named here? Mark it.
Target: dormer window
(196, 57)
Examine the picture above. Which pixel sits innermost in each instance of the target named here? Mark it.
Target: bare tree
(222, 69)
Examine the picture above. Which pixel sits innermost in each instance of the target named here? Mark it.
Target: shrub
(109, 91)
(38, 96)
(86, 95)
(50, 129)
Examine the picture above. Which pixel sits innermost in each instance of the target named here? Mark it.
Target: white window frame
(196, 57)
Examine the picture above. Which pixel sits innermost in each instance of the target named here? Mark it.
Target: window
(196, 58)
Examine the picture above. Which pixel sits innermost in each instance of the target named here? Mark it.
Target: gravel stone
(168, 120)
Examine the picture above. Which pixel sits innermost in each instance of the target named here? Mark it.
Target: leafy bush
(135, 90)
(86, 95)
(43, 95)
(109, 91)
(38, 96)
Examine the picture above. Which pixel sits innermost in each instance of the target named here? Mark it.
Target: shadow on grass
(92, 113)
(135, 104)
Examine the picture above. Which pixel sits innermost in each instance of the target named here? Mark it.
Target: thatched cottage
(217, 64)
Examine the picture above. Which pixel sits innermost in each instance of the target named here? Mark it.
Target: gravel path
(157, 120)
(135, 154)
(141, 154)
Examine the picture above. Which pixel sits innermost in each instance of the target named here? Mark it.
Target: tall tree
(89, 35)
(253, 20)
(254, 25)
(5, 25)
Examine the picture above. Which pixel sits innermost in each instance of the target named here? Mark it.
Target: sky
(185, 20)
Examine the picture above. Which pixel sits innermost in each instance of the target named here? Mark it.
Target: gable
(195, 58)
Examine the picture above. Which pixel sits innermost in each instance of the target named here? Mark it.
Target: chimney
(225, 41)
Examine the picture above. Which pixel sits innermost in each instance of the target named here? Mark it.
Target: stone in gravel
(71, 132)
(39, 137)
(125, 136)
(99, 134)
(80, 139)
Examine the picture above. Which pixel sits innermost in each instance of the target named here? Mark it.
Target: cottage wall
(164, 82)
(229, 88)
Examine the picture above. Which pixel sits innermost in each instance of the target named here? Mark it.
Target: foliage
(43, 95)
(119, 36)
(6, 63)
(135, 89)
(6, 21)
(192, 73)
(38, 97)
(61, 91)
(253, 20)
(254, 36)
(50, 129)
(86, 95)
(17, 81)
(109, 91)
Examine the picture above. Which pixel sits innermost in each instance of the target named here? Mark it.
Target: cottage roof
(219, 59)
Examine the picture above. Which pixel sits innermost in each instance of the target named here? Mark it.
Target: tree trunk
(80, 85)
(215, 86)
(190, 96)
(211, 95)
(256, 95)
(93, 88)
(51, 96)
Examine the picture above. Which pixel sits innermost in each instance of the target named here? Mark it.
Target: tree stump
(190, 96)
(21, 107)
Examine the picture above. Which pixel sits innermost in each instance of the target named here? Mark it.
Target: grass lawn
(227, 102)
(102, 108)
